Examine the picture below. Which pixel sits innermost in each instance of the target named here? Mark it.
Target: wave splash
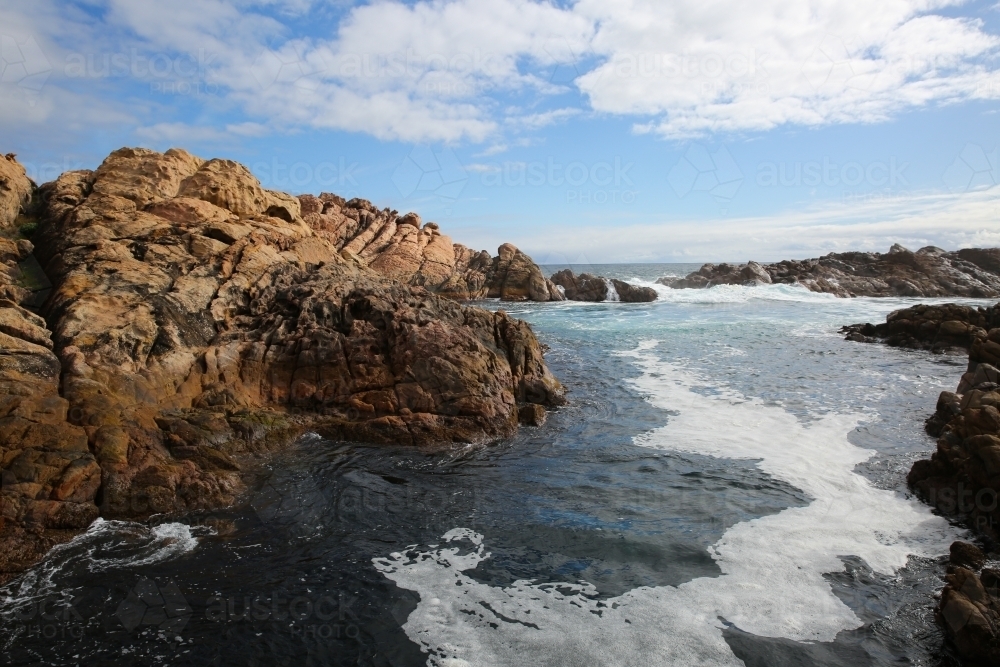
(772, 567)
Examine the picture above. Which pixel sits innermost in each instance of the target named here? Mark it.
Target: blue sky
(621, 130)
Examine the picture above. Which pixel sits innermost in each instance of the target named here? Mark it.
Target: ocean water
(726, 487)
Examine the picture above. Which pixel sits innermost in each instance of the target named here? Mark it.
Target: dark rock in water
(710, 275)
(583, 287)
(198, 320)
(587, 287)
(532, 414)
(967, 555)
(970, 607)
(962, 477)
(633, 293)
(928, 272)
(924, 327)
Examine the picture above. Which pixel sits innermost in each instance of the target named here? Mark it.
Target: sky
(583, 132)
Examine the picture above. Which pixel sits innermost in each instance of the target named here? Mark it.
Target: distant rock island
(928, 272)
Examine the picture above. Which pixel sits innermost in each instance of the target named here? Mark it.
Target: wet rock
(583, 287)
(928, 272)
(532, 415)
(932, 327)
(967, 555)
(969, 608)
(587, 287)
(633, 293)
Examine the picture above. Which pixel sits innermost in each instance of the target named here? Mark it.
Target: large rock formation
(401, 248)
(929, 272)
(198, 319)
(15, 189)
(962, 477)
(587, 287)
(925, 327)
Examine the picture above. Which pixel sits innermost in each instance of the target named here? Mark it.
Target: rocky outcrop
(198, 319)
(928, 272)
(962, 477)
(709, 275)
(587, 287)
(970, 605)
(583, 287)
(633, 293)
(404, 249)
(15, 189)
(926, 327)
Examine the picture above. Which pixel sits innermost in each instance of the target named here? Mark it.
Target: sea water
(725, 487)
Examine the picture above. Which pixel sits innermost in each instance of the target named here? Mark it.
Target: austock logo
(161, 607)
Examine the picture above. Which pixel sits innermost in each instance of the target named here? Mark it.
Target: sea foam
(772, 567)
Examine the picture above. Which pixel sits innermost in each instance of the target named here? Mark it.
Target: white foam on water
(772, 567)
(99, 548)
(612, 292)
(735, 293)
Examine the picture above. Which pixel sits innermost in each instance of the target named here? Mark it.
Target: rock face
(709, 275)
(962, 477)
(401, 248)
(970, 605)
(633, 293)
(15, 189)
(924, 327)
(928, 272)
(587, 287)
(198, 319)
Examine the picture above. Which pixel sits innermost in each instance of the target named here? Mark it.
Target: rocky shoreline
(197, 321)
(928, 272)
(962, 477)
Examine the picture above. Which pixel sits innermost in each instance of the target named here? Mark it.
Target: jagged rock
(514, 277)
(928, 272)
(929, 327)
(587, 287)
(15, 189)
(633, 293)
(970, 607)
(198, 319)
(583, 287)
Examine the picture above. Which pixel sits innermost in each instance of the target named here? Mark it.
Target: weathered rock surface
(928, 272)
(587, 287)
(198, 319)
(15, 189)
(633, 293)
(962, 477)
(404, 249)
(925, 327)
(970, 605)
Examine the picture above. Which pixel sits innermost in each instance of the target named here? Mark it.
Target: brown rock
(15, 190)
(199, 319)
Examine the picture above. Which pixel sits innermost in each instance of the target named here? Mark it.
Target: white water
(612, 292)
(772, 580)
(104, 545)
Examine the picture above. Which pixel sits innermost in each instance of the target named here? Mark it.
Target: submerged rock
(928, 272)
(198, 319)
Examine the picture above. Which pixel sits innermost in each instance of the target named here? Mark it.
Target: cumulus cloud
(694, 68)
(479, 70)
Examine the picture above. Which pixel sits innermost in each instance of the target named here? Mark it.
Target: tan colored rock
(199, 319)
(15, 189)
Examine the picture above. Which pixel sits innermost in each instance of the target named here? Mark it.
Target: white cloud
(448, 70)
(694, 68)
